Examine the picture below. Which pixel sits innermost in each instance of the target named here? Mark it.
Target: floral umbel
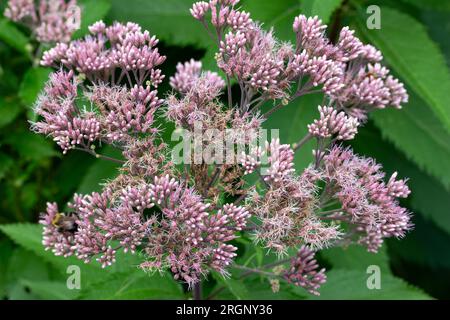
(186, 218)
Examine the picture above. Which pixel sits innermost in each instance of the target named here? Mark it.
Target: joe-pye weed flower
(185, 218)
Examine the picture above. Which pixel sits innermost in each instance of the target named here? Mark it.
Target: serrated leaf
(420, 135)
(13, 36)
(91, 11)
(419, 63)
(352, 285)
(321, 8)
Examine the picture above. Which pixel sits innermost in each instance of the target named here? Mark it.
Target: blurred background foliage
(415, 41)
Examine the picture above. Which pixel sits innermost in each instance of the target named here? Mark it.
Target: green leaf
(137, 285)
(9, 110)
(32, 84)
(236, 287)
(91, 12)
(50, 290)
(277, 14)
(420, 62)
(30, 145)
(259, 288)
(356, 257)
(430, 4)
(352, 285)
(169, 20)
(100, 171)
(13, 37)
(427, 245)
(438, 26)
(6, 162)
(6, 252)
(29, 236)
(24, 265)
(322, 8)
(420, 135)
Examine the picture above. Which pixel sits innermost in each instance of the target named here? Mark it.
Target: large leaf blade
(420, 62)
(420, 135)
(322, 8)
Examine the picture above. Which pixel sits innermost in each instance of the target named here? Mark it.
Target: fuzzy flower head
(369, 205)
(180, 232)
(123, 47)
(51, 20)
(188, 74)
(256, 58)
(349, 71)
(110, 107)
(60, 116)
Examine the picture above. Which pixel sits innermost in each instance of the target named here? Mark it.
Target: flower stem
(230, 97)
(100, 156)
(301, 142)
(197, 292)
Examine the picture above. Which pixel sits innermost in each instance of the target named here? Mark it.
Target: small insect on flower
(66, 222)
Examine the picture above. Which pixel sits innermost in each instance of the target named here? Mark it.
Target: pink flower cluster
(50, 20)
(334, 123)
(61, 118)
(117, 110)
(189, 237)
(111, 54)
(178, 231)
(287, 210)
(188, 74)
(348, 71)
(295, 204)
(196, 104)
(280, 158)
(105, 92)
(369, 205)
